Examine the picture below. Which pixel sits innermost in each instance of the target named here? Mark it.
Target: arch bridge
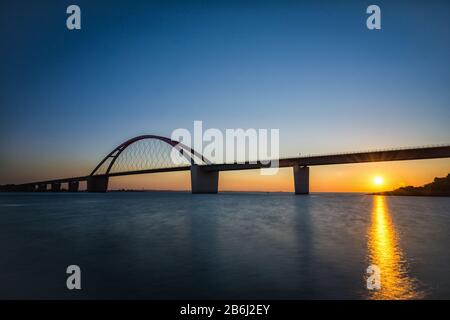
(151, 154)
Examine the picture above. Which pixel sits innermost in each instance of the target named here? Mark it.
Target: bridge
(151, 154)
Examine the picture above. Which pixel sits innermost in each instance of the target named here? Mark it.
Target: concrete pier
(56, 187)
(24, 188)
(42, 187)
(97, 183)
(73, 186)
(203, 181)
(301, 180)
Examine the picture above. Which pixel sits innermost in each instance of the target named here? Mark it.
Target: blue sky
(311, 69)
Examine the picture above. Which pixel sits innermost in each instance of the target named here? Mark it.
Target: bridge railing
(309, 155)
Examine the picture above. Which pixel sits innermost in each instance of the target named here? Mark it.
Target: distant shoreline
(189, 191)
(440, 187)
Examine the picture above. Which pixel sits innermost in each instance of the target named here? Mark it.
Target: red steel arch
(189, 153)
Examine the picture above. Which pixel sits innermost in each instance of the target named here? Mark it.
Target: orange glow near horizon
(331, 178)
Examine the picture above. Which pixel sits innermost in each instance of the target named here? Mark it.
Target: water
(230, 245)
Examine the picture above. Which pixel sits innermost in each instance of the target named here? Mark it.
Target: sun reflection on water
(384, 251)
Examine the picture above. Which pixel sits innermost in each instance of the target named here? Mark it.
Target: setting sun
(377, 180)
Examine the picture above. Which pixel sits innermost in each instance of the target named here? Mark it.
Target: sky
(311, 69)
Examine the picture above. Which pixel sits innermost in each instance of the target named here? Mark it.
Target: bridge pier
(203, 181)
(7, 188)
(24, 188)
(73, 186)
(42, 187)
(56, 187)
(301, 180)
(97, 183)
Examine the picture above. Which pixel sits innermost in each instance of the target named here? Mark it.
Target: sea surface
(175, 245)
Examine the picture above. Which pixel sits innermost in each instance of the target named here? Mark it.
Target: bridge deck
(356, 157)
(345, 158)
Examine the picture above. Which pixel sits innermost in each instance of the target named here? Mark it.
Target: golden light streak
(384, 251)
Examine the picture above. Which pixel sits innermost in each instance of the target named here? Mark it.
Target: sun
(378, 180)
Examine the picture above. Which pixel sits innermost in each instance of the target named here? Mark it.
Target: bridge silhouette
(152, 154)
